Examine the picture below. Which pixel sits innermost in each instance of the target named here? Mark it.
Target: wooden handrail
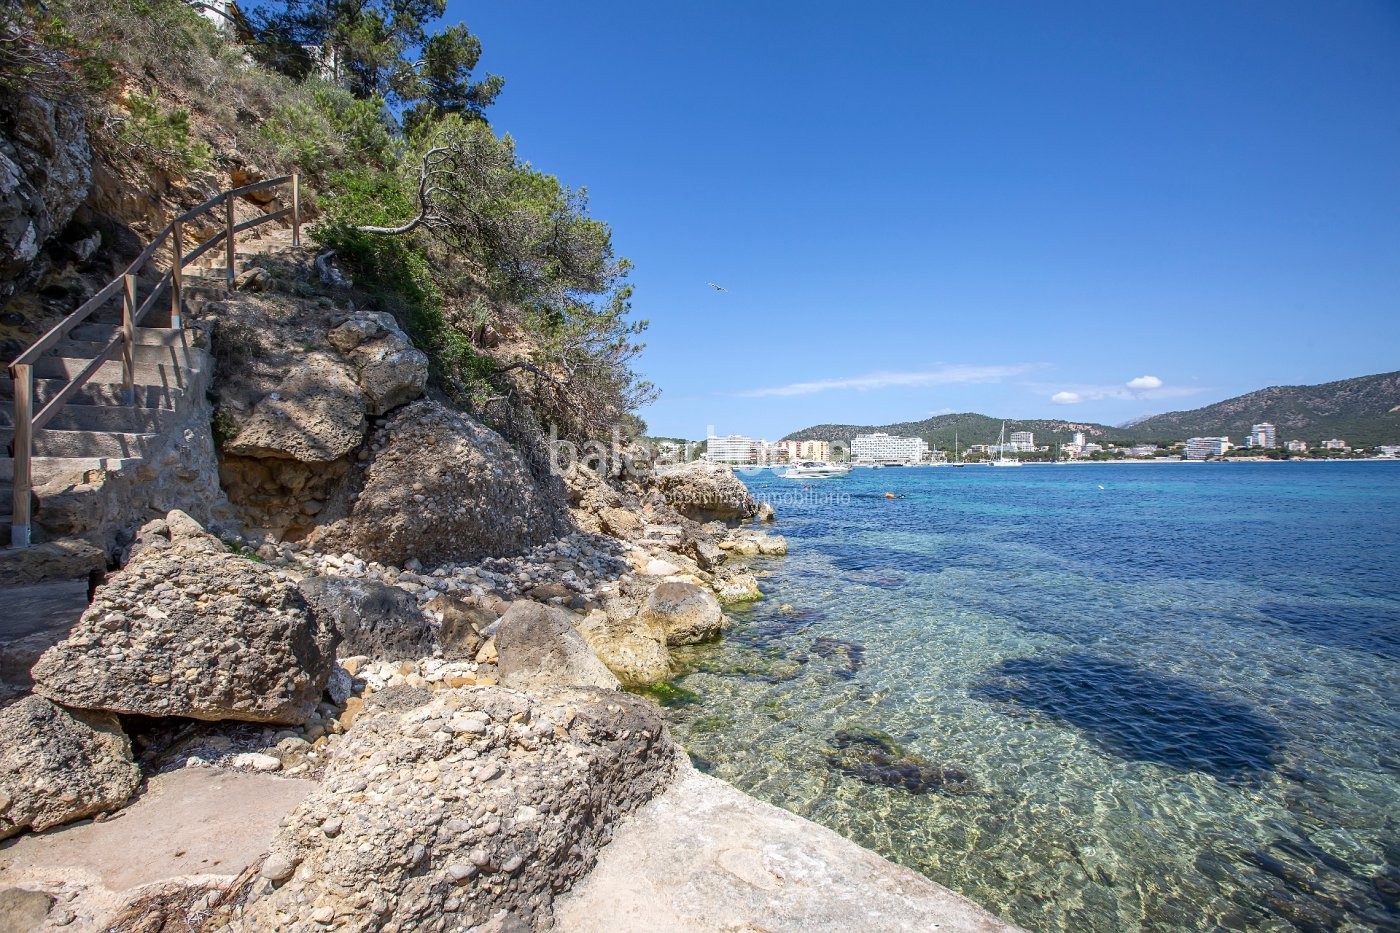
(27, 421)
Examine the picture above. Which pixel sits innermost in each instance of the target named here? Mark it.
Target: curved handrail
(27, 420)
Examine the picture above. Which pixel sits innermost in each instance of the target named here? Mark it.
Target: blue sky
(1090, 211)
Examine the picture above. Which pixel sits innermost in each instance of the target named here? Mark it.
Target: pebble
(277, 867)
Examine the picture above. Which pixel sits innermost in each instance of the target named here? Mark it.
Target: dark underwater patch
(874, 757)
(1369, 629)
(1138, 715)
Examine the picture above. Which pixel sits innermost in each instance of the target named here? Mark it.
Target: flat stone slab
(33, 619)
(195, 824)
(705, 857)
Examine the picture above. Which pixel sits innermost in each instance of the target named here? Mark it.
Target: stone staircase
(100, 428)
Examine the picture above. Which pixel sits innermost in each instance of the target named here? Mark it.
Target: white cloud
(1142, 387)
(944, 375)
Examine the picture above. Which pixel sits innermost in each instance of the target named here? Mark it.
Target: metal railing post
(20, 518)
(128, 338)
(228, 241)
(296, 209)
(177, 275)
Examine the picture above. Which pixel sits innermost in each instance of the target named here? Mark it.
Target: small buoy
(889, 495)
(1100, 487)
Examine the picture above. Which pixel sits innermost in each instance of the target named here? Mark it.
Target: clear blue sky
(1081, 210)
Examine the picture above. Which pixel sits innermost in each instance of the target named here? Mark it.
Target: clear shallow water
(1170, 703)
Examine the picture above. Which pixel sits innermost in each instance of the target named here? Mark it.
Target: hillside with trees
(968, 428)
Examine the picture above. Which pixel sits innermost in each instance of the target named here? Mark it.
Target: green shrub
(161, 132)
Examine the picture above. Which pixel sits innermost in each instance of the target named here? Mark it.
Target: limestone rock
(192, 630)
(737, 587)
(538, 647)
(484, 800)
(684, 612)
(373, 619)
(633, 648)
(620, 523)
(446, 488)
(64, 559)
(316, 415)
(705, 552)
(23, 910)
(766, 513)
(772, 545)
(45, 174)
(57, 766)
(705, 491)
(391, 370)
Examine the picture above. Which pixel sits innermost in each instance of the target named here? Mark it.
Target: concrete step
(112, 418)
(176, 353)
(100, 332)
(87, 444)
(166, 374)
(93, 393)
(50, 468)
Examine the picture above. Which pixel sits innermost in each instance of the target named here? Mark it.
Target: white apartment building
(887, 448)
(1021, 442)
(1078, 438)
(1143, 450)
(1263, 434)
(786, 451)
(1199, 448)
(733, 448)
(1335, 443)
(1297, 447)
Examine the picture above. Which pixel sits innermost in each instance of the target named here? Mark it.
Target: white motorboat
(814, 469)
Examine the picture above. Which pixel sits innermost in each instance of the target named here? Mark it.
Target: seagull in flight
(718, 288)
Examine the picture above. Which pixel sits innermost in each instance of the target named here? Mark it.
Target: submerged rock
(874, 757)
(189, 629)
(58, 766)
(851, 654)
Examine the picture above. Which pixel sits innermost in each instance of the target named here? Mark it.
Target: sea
(1105, 697)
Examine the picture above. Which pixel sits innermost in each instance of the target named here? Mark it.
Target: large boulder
(684, 613)
(706, 492)
(392, 371)
(445, 488)
(57, 765)
(477, 806)
(632, 647)
(45, 174)
(189, 629)
(373, 619)
(460, 623)
(316, 415)
(538, 647)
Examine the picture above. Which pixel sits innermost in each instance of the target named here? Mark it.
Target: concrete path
(705, 857)
(192, 826)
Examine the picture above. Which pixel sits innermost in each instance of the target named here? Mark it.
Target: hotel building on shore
(733, 448)
(887, 448)
(1199, 448)
(1262, 435)
(1297, 447)
(814, 450)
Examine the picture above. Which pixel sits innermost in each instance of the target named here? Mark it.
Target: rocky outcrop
(707, 492)
(684, 613)
(391, 371)
(538, 647)
(476, 806)
(441, 487)
(45, 174)
(57, 766)
(189, 629)
(372, 619)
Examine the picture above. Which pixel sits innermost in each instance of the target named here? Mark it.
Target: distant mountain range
(1364, 411)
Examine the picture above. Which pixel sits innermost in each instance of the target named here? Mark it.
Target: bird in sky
(718, 288)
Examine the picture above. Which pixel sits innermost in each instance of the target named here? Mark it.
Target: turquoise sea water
(1117, 697)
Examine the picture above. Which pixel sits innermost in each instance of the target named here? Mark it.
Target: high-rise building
(733, 448)
(1199, 448)
(814, 450)
(887, 448)
(1263, 434)
(1022, 441)
(1078, 438)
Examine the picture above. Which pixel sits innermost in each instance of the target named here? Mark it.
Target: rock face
(684, 612)
(45, 173)
(444, 487)
(707, 491)
(373, 619)
(189, 629)
(391, 370)
(481, 801)
(539, 648)
(58, 766)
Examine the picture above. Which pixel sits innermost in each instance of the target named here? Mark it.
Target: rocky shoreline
(406, 646)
